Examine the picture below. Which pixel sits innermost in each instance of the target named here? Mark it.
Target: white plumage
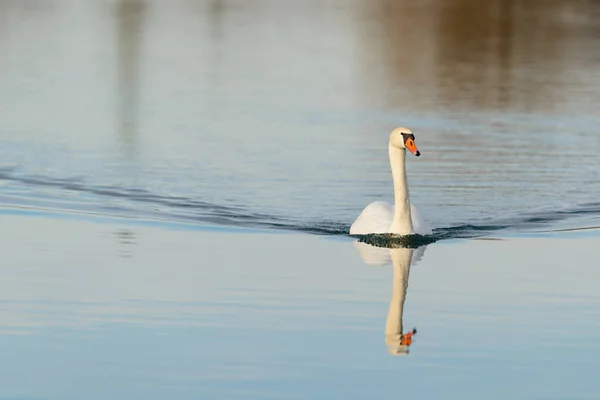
(401, 218)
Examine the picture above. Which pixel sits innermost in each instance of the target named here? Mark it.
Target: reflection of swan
(396, 341)
(372, 255)
(401, 259)
(402, 218)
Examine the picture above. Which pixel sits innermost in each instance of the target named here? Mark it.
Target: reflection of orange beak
(406, 339)
(412, 147)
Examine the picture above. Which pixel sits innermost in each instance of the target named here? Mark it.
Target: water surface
(105, 311)
(177, 180)
(282, 111)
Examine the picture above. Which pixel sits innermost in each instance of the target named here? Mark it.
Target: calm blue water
(177, 180)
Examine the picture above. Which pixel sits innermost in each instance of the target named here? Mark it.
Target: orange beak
(412, 147)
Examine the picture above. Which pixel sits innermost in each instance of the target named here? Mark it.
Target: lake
(177, 181)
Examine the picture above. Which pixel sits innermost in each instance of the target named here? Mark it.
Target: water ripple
(68, 195)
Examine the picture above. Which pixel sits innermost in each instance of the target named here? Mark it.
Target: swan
(402, 218)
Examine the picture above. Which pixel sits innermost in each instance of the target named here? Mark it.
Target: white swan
(402, 218)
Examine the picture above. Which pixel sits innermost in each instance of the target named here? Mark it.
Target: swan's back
(420, 226)
(375, 218)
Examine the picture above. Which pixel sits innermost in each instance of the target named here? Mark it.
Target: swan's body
(402, 218)
(377, 218)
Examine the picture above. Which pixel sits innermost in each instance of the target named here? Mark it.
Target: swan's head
(403, 138)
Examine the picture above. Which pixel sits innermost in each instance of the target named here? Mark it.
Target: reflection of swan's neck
(402, 223)
(401, 259)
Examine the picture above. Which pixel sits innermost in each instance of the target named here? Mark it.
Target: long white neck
(401, 259)
(402, 222)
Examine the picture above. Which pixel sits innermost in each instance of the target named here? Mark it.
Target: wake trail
(140, 203)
